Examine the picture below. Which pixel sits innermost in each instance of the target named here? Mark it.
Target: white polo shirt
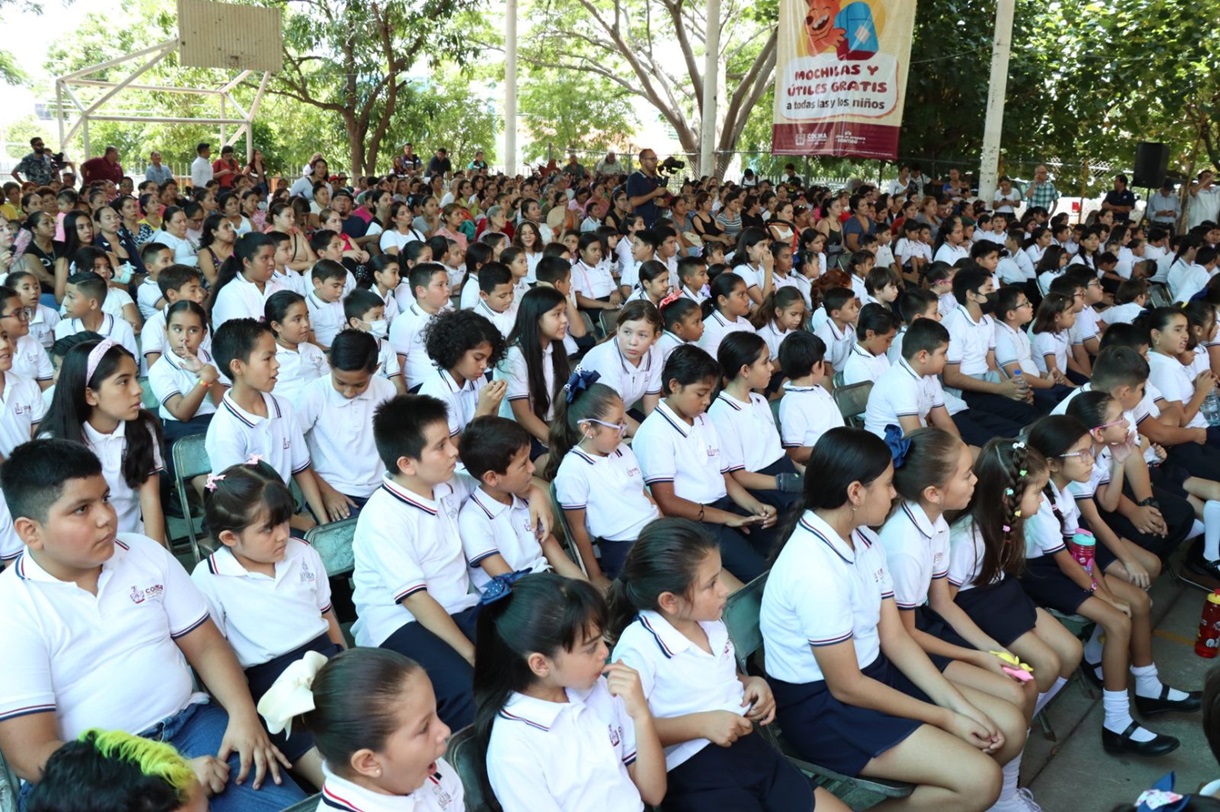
(107, 660)
(631, 381)
(1051, 343)
(716, 327)
(234, 434)
(460, 401)
(153, 339)
(862, 365)
(407, 339)
(596, 282)
(969, 340)
(678, 677)
(822, 592)
(339, 434)
(265, 617)
(609, 489)
(838, 342)
(564, 755)
(30, 359)
(689, 456)
(1187, 280)
(515, 373)
(442, 791)
(504, 322)
(489, 526)
(326, 318)
(950, 253)
(916, 553)
(42, 325)
(901, 392)
(748, 435)
(21, 408)
(406, 544)
(241, 299)
(111, 327)
(1014, 346)
(1122, 314)
(966, 551)
(167, 378)
(1044, 532)
(1173, 379)
(298, 368)
(111, 449)
(667, 343)
(805, 414)
(294, 281)
(774, 337)
(1085, 327)
(696, 296)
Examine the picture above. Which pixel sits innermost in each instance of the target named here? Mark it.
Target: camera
(57, 160)
(671, 165)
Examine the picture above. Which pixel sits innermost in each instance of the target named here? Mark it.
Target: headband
(95, 357)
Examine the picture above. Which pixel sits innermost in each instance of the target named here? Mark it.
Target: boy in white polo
(431, 291)
(495, 525)
(806, 411)
(21, 410)
(70, 673)
(838, 332)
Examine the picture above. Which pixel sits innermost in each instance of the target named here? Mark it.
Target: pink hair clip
(212, 480)
(255, 459)
(1007, 529)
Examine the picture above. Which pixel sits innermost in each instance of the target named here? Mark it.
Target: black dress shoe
(1090, 672)
(1147, 706)
(1119, 743)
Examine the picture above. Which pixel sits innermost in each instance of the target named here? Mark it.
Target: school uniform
(901, 392)
(298, 368)
(111, 327)
(461, 402)
(690, 457)
(391, 303)
(946, 303)
(916, 554)
(241, 299)
(407, 339)
(716, 327)
(111, 449)
(632, 381)
(404, 544)
(1046, 278)
(288, 279)
(147, 295)
(774, 337)
(514, 372)
(805, 414)
(969, 343)
(441, 792)
(679, 678)
(753, 277)
(339, 434)
(1001, 608)
(751, 442)
(1187, 280)
(696, 296)
(503, 321)
(126, 673)
(1054, 343)
(489, 527)
(1085, 327)
(805, 286)
(153, 338)
(1013, 346)
(326, 318)
(270, 621)
(610, 490)
(30, 359)
(564, 755)
(116, 300)
(42, 325)
(1122, 314)
(593, 282)
(667, 343)
(235, 434)
(387, 361)
(167, 378)
(951, 254)
(839, 341)
(862, 365)
(21, 409)
(823, 591)
(1046, 534)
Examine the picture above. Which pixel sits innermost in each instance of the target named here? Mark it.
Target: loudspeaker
(1151, 164)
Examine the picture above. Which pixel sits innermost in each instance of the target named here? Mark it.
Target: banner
(840, 77)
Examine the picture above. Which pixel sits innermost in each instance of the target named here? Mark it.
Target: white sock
(1148, 683)
(1196, 528)
(1092, 649)
(1117, 709)
(1211, 532)
(1044, 699)
(1011, 774)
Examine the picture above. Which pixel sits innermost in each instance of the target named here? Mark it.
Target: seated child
(496, 296)
(463, 345)
(84, 296)
(30, 358)
(535, 366)
(806, 411)
(156, 258)
(724, 311)
(692, 278)
(653, 284)
(185, 380)
(176, 283)
(876, 327)
(838, 331)
(781, 314)
(244, 284)
(881, 287)
(1014, 351)
(683, 320)
(42, 319)
(630, 361)
(300, 362)
(325, 305)
(1130, 300)
(385, 281)
(365, 311)
(429, 282)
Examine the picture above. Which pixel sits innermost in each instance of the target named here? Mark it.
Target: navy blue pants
(977, 426)
(747, 776)
(1016, 412)
(452, 677)
(743, 554)
(261, 677)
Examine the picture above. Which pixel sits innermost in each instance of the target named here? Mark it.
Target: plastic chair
(608, 320)
(150, 400)
(852, 400)
(561, 521)
(334, 544)
(190, 460)
(1159, 294)
(310, 804)
(462, 755)
(740, 616)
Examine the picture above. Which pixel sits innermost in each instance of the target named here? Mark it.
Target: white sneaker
(1022, 801)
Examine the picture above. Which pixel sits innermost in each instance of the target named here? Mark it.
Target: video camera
(666, 171)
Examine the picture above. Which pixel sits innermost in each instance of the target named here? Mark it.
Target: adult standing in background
(1042, 193)
(1204, 200)
(1164, 207)
(644, 187)
(609, 165)
(574, 168)
(157, 172)
(38, 167)
(256, 170)
(1119, 200)
(106, 167)
(479, 164)
(226, 169)
(440, 165)
(201, 167)
(1006, 198)
(408, 163)
(319, 173)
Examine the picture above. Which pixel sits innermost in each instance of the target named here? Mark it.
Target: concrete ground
(1074, 773)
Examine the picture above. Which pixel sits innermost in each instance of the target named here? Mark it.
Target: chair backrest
(462, 755)
(740, 616)
(310, 804)
(1160, 296)
(10, 786)
(191, 457)
(852, 400)
(609, 321)
(150, 400)
(334, 544)
(561, 521)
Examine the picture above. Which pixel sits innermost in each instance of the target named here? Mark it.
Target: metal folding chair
(190, 460)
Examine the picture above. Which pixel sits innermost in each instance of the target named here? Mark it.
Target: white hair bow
(291, 694)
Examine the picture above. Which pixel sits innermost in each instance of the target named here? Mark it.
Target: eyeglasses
(1111, 423)
(1085, 454)
(1024, 304)
(20, 314)
(620, 427)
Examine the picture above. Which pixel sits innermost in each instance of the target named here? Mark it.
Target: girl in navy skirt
(665, 610)
(266, 591)
(853, 691)
(1055, 579)
(987, 553)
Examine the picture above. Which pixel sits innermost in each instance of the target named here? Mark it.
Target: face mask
(378, 329)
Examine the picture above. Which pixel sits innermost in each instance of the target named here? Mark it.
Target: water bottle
(1082, 547)
(1211, 408)
(1208, 641)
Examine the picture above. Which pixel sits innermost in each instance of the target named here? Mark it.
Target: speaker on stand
(1151, 166)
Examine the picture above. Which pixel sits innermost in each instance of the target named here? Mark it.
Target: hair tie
(1161, 797)
(95, 357)
(501, 586)
(213, 479)
(579, 381)
(898, 445)
(670, 299)
(255, 459)
(291, 694)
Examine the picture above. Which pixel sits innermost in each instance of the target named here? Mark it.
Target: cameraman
(644, 187)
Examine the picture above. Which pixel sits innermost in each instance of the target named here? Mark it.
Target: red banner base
(838, 139)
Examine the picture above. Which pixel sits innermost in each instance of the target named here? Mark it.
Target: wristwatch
(1149, 502)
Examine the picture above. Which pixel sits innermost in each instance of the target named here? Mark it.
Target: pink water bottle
(1209, 627)
(1082, 547)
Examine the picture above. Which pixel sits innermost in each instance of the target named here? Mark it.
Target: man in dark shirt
(1119, 200)
(644, 186)
(106, 167)
(440, 163)
(408, 163)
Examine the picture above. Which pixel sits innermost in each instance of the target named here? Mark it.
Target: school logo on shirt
(21, 408)
(879, 575)
(148, 594)
(287, 444)
(633, 471)
(712, 451)
(442, 797)
(307, 575)
(616, 735)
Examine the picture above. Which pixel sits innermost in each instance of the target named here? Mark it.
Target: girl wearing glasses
(1054, 578)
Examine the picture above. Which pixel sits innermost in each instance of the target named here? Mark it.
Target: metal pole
(223, 113)
(510, 88)
(59, 112)
(1001, 48)
(711, 75)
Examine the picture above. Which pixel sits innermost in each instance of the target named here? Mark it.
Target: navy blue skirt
(842, 737)
(1046, 585)
(748, 774)
(261, 677)
(1001, 610)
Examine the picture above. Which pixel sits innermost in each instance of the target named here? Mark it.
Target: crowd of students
(451, 375)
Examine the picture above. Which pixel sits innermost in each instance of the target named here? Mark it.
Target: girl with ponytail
(242, 287)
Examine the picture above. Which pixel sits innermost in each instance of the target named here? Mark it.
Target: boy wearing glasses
(30, 359)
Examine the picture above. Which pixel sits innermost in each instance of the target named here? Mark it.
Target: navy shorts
(747, 775)
(261, 677)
